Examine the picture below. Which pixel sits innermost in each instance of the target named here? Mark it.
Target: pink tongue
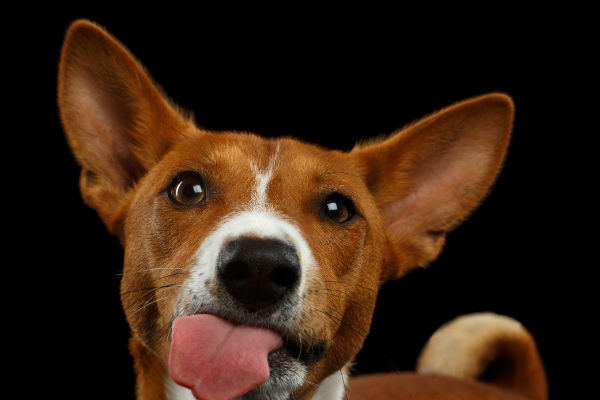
(218, 360)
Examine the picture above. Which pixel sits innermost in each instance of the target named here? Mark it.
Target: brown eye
(187, 189)
(338, 208)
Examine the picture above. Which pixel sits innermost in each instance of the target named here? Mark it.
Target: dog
(252, 265)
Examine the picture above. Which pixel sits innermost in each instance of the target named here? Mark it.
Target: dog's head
(271, 233)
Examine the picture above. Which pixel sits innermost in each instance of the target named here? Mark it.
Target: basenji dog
(252, 265)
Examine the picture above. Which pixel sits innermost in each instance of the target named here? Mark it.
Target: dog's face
(273, 233)
(276, 233)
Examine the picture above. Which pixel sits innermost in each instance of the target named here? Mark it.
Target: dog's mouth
(218, 358)
(308, 354)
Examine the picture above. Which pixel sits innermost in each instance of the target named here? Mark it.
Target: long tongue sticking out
(218, 360)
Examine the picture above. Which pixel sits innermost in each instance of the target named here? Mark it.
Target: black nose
(258, 272)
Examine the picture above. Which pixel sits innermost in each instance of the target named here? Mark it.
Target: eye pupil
(338, 208)
(184, 189)
(187, 189)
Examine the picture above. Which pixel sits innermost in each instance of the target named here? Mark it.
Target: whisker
(382, 353)
(148, 302)
(162, 277)
(300, 342)
(152, 269)
(150, 289)
(362, 333)
(408, 388)
(342, 376)
(356, 285)
(151, 302)
(142, 355)
(353, 328)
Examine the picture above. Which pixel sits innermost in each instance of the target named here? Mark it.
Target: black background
(330, 80)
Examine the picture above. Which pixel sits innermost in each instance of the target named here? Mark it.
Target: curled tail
(487, 347)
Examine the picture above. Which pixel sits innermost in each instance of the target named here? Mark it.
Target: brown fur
(150, 371)
(409, 190)
(410, 386)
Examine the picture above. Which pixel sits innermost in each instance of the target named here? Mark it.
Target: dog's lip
(308, 354)
(296, 349)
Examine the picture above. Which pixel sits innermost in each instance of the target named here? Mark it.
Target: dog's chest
(332, 388)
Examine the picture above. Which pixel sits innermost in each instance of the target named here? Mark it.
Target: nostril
(284, 276)
(235, 271)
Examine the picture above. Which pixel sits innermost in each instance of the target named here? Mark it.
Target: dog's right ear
(117, 122)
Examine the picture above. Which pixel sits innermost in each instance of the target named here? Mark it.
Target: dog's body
(252, 265)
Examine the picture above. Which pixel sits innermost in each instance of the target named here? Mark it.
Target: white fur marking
(262, 178)
(267, 224)
(176, 392)
(332, 387)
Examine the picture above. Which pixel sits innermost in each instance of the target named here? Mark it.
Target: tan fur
(409, 191)
(467, 346)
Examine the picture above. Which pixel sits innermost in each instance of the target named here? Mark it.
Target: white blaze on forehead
(262, 179)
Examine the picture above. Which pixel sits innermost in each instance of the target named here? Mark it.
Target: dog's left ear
(428, 177)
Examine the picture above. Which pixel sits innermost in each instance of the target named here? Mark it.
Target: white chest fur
(332, 388)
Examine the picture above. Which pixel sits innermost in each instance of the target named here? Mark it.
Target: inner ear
(452, 164)
(107, 115)
(428, 177)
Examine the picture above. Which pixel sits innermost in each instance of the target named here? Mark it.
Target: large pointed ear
(117, 122)
(428, 177)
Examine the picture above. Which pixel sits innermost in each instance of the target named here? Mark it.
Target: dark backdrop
(332, 81)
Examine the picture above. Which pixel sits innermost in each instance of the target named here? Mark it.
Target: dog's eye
(338, 208)
(187, 189)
